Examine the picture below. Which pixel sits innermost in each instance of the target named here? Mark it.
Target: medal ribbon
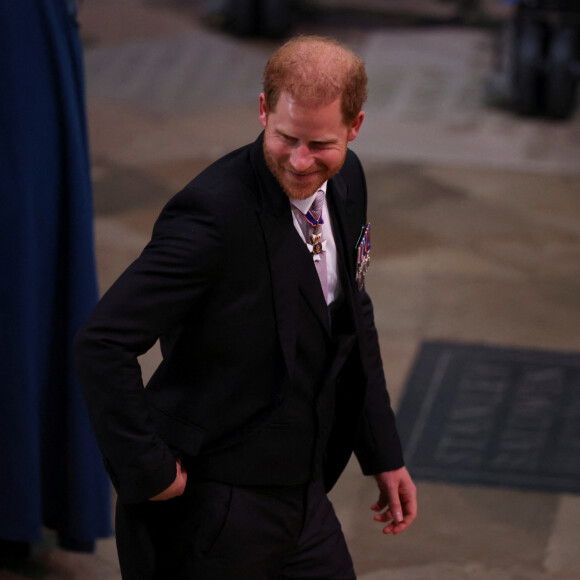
(312, 219)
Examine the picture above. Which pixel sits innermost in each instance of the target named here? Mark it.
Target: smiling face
(305, 145)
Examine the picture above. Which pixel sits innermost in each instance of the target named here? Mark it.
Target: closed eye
(288, 139)
(320, 144)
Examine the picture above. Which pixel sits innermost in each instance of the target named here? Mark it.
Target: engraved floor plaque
(493, 416)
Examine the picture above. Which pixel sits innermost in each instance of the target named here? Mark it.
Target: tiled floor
(476, 215)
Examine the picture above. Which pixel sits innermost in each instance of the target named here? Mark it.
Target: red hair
(316, 71)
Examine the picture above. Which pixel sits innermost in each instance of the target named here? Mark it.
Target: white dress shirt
(303, 205)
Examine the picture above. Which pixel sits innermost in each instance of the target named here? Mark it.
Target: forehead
(292, 115)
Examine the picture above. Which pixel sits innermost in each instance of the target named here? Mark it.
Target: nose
(301, 158)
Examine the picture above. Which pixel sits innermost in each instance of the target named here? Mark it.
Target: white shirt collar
(304, 204)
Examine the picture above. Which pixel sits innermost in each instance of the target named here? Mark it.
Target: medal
(316, 247)
(363, 256)
(314, 218)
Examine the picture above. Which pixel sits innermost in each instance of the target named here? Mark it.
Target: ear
(263, 110)
(355, 127)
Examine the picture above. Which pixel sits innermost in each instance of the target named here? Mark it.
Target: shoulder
(219, 190)
(352, 177)
(352, 170)
(234, 170)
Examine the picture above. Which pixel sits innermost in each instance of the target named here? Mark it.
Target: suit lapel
(344, 330)
(291, 267)
(281, 256)
(339, 208)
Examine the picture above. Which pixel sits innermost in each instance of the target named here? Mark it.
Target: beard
(293, 188)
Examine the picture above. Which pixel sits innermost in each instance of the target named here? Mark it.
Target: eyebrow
(284, 134)
(328, 141)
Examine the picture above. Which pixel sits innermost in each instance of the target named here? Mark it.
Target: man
(271, 373)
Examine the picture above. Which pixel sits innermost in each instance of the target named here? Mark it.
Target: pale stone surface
(113, 257)
(64, 564)
(112, 22)
(473, 571)
(458, 525)
(563, 553)
(426, 104)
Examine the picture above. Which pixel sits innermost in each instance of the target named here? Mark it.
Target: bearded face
(304, 146)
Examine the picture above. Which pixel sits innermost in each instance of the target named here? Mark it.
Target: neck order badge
(314, 218)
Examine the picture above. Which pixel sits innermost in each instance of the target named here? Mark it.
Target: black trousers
(217, 531)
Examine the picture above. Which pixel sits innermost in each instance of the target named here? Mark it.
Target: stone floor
(476, 216)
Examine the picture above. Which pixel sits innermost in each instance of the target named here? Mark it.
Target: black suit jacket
(218, 284)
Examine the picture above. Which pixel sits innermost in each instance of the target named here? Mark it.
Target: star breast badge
(363, 260)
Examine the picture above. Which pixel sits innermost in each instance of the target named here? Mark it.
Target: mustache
(314, 169)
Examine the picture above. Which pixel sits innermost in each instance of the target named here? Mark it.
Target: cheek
(331, 158)
(277, 152)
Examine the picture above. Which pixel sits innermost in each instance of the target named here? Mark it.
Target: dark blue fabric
(51, 470)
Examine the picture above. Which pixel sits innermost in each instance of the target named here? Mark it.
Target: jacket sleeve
(377, 446)
(172, 274)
